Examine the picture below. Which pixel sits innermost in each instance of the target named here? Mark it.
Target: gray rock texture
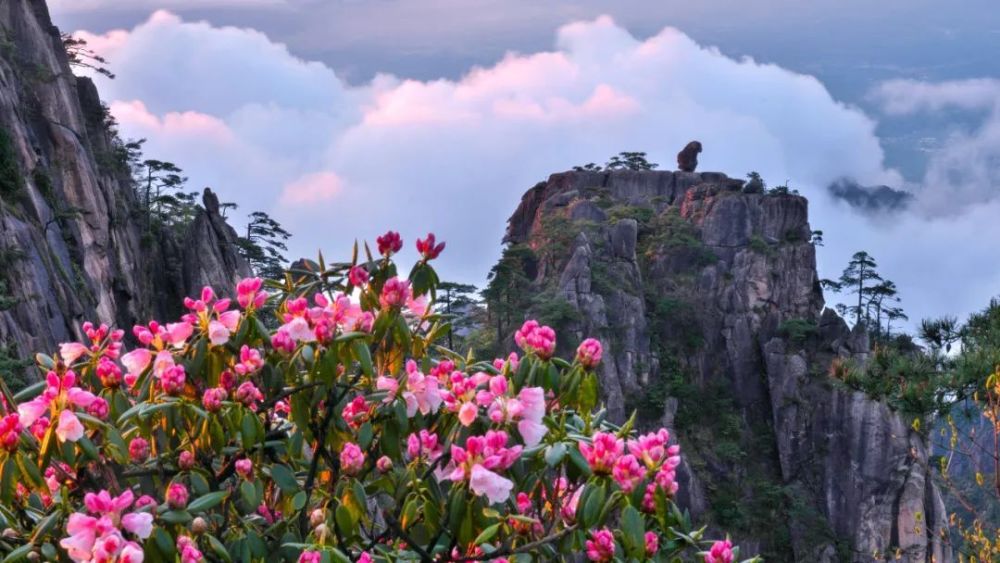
(695, 288)
(71, 248)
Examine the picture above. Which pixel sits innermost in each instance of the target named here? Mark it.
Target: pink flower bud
(177, 496)
(589, 353)
(244, 468)
(389, 243)
(138, 450)
(357, 276)
(185, 460)
(384, 464)
(98, 408)
(352, 459)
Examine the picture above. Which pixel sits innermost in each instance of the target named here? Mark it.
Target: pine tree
(264, 245)
(860, 276)
(456, 299)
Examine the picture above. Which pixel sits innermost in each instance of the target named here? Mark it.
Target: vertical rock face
(70, 244)
(708, 304)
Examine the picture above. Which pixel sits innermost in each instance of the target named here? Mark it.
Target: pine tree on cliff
(264, 245)
(860, 277)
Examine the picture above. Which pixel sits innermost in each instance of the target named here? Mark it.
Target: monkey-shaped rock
(687, 159)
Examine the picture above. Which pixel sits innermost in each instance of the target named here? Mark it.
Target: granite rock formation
(708, 304)
(71, 248)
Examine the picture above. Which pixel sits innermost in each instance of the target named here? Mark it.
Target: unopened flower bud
(10, 533)
(199, 526)
(320, 532)
(384, 464)
(317, 517)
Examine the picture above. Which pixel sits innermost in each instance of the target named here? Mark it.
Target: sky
(345, 118)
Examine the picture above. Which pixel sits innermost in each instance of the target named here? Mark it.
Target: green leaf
(248, 430)
(218, 547)
(45, 362)
(555, 453)
(592, 508)
(208, 501)
(364, 357)
(45, 525)
(634, 531)
(176, 517)
(30, 470)
(249, 494)
(199, 484)
(19, 554)
(30, 391)
(487, 534)
(365, 435)
(284, 478)
(299, 500)
(345, 520)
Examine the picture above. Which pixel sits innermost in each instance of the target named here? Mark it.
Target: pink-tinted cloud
(185, 123)
(318, 187)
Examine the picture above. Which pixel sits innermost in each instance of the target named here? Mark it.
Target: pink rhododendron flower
(389, 243)
(177, 496)
(476, 462)
(365, 557)
(652, 543)
(69, 428)
(138, 450)
(248, 293)
(427, 249)
(355, 413)
(602, 454)
(395, 293)
(310, 557)
(423, 444)
(720, 552)
(298, 329)
(537, 339)
(357, 276)
(248, 394)
(627, 472)
(10, 432)
(352, 459)
(601, 546)
(70, 352)
(417, 306)
(60, 391)
(178, 333)
(422, 392)
(250, 361)
(188, 550)
(589, 353)
(137, 361)
(218, 333)
(98, 537)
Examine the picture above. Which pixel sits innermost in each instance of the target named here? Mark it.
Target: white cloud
(82, 6)
(454, 156)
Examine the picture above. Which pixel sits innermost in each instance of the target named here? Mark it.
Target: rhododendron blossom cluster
(321, 418)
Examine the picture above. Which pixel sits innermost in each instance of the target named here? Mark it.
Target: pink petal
(217, 333)
(69, 428)
(467, 414)
(493, 486)
(80, 398)
(178, 333)
(531, 431)
(71, 351)
(139, 523)
(32, 410)
(230, 319)
(137, 360)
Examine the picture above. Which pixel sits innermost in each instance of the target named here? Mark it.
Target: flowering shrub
(346, 434)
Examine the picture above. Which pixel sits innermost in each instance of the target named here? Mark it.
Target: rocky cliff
(71, 248)
(707, 301)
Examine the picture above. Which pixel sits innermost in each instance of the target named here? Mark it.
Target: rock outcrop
(71, 248)
(707, 300)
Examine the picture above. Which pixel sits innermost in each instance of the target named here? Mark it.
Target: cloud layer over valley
(333, 161)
